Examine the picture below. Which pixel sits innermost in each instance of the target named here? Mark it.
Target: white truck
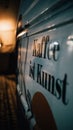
(45, 65)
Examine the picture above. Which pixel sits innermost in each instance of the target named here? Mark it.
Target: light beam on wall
(22, 33)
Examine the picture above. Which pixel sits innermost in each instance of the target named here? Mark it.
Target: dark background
(8, 63)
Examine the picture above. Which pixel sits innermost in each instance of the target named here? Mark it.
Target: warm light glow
(8, 37)
(8, 33)
(0, 45)
(19, 24)
(8, 24)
